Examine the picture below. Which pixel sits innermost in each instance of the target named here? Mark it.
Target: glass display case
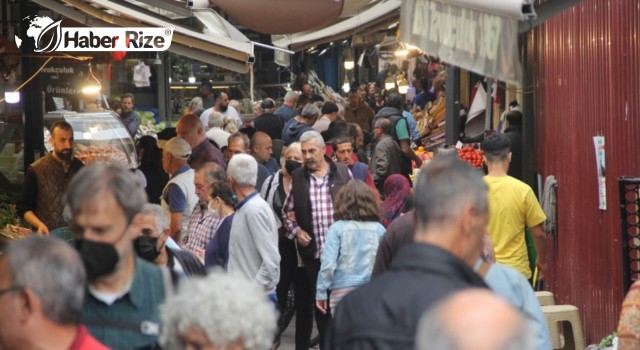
(98, 136)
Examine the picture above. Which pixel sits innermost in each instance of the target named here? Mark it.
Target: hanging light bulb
(157, 61)
(192, 78)
(349, 64)
(91, 84)
(12, 97)
(389, 83)
(346, 86)
(403, 84)
(401, 51)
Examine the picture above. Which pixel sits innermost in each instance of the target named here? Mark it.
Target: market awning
(370, 19)
(218, 43)
(478, 35)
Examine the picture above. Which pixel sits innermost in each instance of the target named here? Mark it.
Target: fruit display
(425, 155)
(471, 155)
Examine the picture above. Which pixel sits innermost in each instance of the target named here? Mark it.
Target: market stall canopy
(217, 42)
(373, 18)
(478, 35)
(288, 16)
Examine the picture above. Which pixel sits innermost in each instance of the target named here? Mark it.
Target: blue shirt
(513, 287)
(176, 199)
(217, 252)
(272, 166)
(285, 112)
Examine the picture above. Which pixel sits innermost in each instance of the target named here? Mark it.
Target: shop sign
(63, 78)
(49, 36)
(479, 41)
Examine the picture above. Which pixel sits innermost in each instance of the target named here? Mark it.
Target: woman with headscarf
(396, 193)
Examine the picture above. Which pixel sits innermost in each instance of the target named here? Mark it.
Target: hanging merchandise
(141, 75)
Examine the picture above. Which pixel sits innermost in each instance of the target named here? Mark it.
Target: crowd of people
(313, 197)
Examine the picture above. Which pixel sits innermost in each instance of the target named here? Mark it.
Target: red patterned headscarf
(396, 190)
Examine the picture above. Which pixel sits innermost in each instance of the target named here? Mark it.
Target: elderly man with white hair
(204, 315)
(215, 132)
(253, 243)
(287, 111)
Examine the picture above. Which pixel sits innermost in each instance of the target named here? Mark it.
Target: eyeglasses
(10, 289)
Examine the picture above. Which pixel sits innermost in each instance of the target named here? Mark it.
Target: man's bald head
(474, 319)
(261, 146)
(190, 128)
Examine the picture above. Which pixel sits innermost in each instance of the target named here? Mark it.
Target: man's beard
(65, 154)
(223, 108)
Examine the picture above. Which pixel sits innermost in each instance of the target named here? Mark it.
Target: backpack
(394, 122)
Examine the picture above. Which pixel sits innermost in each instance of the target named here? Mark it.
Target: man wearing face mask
(46, 182)
(152, 246)
(124, 291)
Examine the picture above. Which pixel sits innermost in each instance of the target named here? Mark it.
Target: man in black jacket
(384, 314)
(155, 245)
(314, 187)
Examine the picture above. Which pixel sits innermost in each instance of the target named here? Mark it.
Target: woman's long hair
(355, 201)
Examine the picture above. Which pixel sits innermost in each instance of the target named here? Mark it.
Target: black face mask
(291, 165)
(99, 259)
(146, 247)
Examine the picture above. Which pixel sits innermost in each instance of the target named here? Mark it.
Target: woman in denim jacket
(352, 242)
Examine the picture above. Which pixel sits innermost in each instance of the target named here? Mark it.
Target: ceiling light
(349, 64)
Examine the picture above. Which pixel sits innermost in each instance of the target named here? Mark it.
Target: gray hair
(198, 112)
(445, 186)
(53, 270)
(310, 111)
(216, 120)
(162, 221)
(225, 306)
(212, 172)
(435, 331)
(243, 136)
(92, 180)
(243, 169)
(195, 103)
(312, 135)
(291, 96)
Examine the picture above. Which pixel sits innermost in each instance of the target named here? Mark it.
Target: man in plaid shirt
(308, 213)
(202, 225)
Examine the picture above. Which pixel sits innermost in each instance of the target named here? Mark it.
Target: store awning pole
(489, 111)
(452, 98)
(251, 83)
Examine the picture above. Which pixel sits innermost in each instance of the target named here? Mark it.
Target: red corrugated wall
(586, 73)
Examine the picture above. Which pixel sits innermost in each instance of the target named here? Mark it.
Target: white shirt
(204, 117)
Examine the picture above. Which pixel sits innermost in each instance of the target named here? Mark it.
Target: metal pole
(488, 116)
(251, 83)
(452, 98)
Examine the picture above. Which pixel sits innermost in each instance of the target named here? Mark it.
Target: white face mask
(213, 212)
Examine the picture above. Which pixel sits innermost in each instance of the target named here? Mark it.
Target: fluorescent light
(12, 97)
